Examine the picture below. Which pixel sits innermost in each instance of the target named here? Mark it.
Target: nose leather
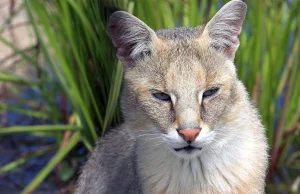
(189, 134)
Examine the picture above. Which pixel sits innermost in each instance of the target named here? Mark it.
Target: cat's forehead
(190, 57)
(186, 70)
(182, 64)
(185, 75)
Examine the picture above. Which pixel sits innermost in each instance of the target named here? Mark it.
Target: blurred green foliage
(73, 43)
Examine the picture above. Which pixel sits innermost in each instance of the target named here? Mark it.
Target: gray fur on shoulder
(108, 164)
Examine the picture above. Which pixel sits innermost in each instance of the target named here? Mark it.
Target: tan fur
(196, 69)
(186, 68)
(230, 152)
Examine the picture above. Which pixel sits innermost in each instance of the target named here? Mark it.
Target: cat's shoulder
(116, 143)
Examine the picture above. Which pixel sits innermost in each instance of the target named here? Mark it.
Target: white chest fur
(219, 168)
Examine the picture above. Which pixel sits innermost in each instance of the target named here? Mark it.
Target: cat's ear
(131, 37)
(224, 28)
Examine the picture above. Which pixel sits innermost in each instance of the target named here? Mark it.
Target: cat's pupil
(162, 96)
(210, 92)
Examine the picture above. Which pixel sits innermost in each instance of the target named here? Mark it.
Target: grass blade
(62, 152)
(38, 128)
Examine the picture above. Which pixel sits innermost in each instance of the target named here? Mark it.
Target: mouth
(187, 149)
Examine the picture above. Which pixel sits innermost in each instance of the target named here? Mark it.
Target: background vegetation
(78, 77)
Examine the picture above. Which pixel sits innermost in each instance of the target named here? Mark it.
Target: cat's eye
(162, 96)
(210, 92)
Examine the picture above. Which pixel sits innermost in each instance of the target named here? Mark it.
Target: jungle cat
(189, 126)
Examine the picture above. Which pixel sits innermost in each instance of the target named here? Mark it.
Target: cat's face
(179, 82)
(181, 87)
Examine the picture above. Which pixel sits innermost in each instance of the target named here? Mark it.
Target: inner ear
(224, 28)
(132, 38)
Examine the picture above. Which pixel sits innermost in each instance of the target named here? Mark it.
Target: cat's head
(180, 81)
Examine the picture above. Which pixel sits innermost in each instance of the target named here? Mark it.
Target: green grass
(73, 43)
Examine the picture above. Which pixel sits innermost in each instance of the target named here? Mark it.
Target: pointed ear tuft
(225, 27)
(131, 37)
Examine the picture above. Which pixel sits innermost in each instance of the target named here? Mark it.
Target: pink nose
(189, 134)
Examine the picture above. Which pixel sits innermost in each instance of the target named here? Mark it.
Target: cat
(189, 126)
